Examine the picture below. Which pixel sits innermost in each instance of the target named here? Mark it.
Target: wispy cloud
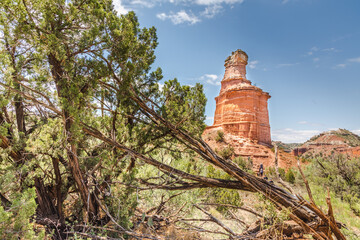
(179, 17)
(211, 11)
(144, 3)
(289, 135)
(252, 64)
(356, 60)
(215, 2)
(286, 65)
(211, 79)
(348, 62)
(120, 7)
(314, 50)
(341, 65)
(314, 124)
(211, 8)
(330, 50)
(342, 37)
(356, 131)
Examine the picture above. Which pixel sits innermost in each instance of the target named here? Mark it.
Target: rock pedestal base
(248, 149)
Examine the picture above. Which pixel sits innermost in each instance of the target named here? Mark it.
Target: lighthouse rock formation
(242, 115)
(241, 108)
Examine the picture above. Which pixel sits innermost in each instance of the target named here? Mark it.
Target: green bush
(226, 152)
(270, 172)
(220, 136)
(220, 195)
(282, 173)
(15, 222)
(290, 176)
(244, 164)
(339, 174)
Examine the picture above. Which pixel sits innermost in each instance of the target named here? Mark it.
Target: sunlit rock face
(241, 108)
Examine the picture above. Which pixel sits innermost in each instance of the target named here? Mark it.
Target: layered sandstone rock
(241, 108)
(339, 141)
(242, 114)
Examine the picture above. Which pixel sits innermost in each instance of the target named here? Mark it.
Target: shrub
(15, 222)
(220, 136)
(290, 176)
(282, 173)
(221, 195)
(245, 165)
(270, 171)
(226, 152)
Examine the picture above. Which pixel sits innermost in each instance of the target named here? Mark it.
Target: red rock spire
(241, 108)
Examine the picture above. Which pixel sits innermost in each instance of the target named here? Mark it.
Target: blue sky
(305, 53)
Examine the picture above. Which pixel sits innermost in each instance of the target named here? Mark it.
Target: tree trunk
(90, 204)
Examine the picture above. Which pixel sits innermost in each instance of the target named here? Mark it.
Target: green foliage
(342, 209)
(270, 172)
(219, 136)
(219, 195)
(184, 106)
(282, 172)
(270, 212)
(244, 164)
(339, 174)
(227, 152)
(15, 222)
(289, 176)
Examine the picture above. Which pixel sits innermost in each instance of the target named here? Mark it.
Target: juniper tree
(69, 63)
(81, 107)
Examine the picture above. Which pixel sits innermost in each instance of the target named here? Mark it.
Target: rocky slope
(339, 141)
(235, 146)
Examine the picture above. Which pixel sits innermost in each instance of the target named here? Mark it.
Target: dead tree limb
(306, 182)
(247, 209)
(217, 221)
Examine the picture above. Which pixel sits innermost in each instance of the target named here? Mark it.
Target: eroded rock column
(241, 108)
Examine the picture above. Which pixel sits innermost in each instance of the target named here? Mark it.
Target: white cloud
(161, 86)
(179, 17)
(316, 59)
(330, 50)
(356, 131)
(252, 64)
(289, 135)
(341, 65)
(119, 7)
(215, 2)
(211, 11)
(212, 8)
(286, 65)
(313, 50)
(143, 3)
(211, 79)
(310, 123)
(357, 60)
